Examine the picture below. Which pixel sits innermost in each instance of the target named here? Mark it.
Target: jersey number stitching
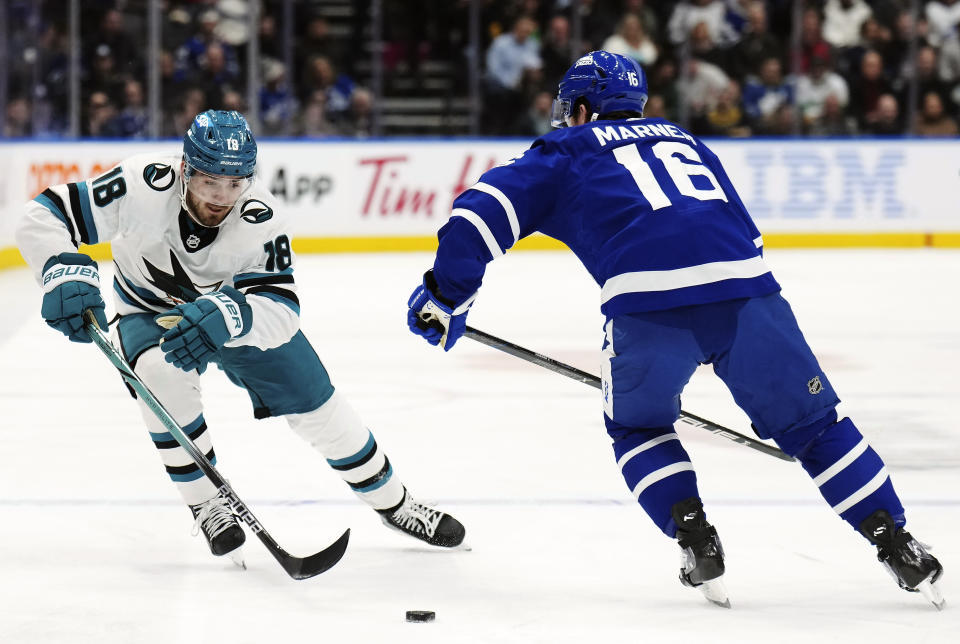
(278, 254)
(679, 172)
(105, 191)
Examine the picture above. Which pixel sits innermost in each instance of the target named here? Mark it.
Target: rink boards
(392, 195)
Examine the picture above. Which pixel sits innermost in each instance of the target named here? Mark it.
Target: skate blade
(236, 556)
(932, 593)
(463, 545)
(715, 592)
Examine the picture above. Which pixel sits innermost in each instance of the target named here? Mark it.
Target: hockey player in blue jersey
(203, 273)
(651, 214)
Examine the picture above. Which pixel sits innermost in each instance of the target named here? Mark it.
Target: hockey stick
(590, 379)
(296, 567)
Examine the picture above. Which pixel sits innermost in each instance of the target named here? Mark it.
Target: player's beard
(206, 214)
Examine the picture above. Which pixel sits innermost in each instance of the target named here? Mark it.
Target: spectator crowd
(745, 67)
(202, 64)
(720, 67)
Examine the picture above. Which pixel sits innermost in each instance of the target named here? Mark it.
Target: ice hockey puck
(420, 615)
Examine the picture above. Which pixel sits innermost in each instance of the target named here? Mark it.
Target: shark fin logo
(255, 211)
(177, 284)
(159, 176)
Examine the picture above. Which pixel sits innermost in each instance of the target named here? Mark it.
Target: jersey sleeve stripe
(482, 228)
(243, 281)
(78, 204)
(244, 276)
(281, 295)
(650, 281)
(87, 213)
(505, 203)
(52, 202)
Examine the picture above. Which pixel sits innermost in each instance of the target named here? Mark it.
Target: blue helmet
(607, 82)
(220, 143)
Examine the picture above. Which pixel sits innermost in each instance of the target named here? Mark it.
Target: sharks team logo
(255, 211)
(159, 176)
(177, 285)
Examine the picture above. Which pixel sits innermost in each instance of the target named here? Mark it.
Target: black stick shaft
(588, 378)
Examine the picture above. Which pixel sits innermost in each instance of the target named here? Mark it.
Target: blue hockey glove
(71, 285)
(434, 317)
(200, 328)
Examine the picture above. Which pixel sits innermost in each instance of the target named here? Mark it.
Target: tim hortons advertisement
(405, 188)
(375, 189)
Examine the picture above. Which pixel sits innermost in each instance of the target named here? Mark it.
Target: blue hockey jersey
(645, 206)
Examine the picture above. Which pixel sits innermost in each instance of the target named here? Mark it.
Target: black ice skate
(701, 555)
(914, 569)
(221, 528)
(424, 523)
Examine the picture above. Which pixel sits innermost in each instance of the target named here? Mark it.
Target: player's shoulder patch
(159, 176)
(255, 211)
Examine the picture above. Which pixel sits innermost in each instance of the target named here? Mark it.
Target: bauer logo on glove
(60, 273)
(198, 329)
(71, 285)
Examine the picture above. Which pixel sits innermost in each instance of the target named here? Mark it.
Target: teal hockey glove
(71, 285)
(200, 328)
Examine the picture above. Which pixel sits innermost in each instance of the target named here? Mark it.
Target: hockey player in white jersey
(204, 274)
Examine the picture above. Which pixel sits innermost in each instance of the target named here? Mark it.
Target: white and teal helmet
(220, 157)
(220, 143)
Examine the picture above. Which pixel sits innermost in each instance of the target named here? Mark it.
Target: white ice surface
(95, 546)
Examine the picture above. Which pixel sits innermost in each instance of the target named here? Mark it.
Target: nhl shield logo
(159, 176)
(255, 211)
(814, 386)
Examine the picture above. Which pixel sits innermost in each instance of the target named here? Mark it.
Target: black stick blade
(307, 567)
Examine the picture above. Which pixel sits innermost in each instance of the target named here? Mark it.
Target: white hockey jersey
(161, 256)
